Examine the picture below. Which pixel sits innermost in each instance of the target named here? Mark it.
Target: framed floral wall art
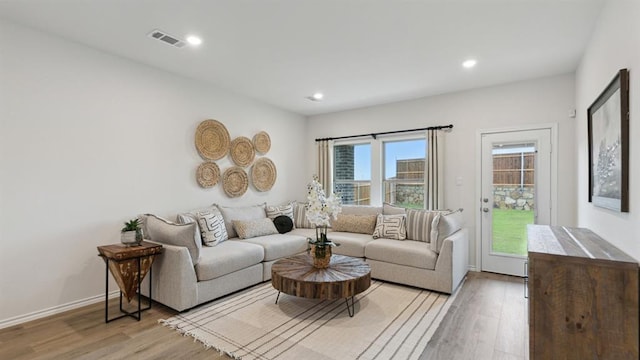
(608, 128)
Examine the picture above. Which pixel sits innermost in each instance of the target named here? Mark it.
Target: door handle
(485, 209)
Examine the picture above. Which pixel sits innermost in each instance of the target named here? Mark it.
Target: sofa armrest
(454, 257)
(174, 278)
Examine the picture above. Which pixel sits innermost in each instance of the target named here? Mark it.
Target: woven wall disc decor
(263, 174)
(235, 181)
(262, 142)
(208, 174)
(242, 151)
(212, 140)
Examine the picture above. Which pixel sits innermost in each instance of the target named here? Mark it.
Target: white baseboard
(473, 268)
(55, 310)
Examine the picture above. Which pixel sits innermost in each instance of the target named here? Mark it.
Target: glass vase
(321, 250)
(321, 255)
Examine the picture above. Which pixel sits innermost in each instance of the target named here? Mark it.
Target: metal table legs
(134, 314)
(351, 309)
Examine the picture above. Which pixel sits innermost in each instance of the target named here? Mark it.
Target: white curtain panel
(434, 192)
(325, 165)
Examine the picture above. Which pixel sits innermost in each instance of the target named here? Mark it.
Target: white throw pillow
(444, 224)
(166, 232)
(285, 209)
(212, 228)
(390, 227)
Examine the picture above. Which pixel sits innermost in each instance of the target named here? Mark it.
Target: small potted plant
(131, 233)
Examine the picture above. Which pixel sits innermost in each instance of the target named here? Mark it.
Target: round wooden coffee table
(343, 279)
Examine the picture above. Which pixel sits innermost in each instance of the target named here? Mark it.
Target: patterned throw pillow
(391, 227)
(419, 224)
(361, 224)
(192, 217)
(286, 209)
(252, 228)
(300, 217)
(212, 228)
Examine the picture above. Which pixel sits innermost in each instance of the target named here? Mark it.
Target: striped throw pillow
(300, 217)
(212, 228)
(419, 224)
(390, 227)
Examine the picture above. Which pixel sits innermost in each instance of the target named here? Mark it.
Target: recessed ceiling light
(316, 97)
(469, 63)
(194, 40)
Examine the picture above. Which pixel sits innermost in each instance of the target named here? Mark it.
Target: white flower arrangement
(320, 208)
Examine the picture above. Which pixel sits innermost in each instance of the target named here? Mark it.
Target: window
(379, 171)
(352, 173)
(404, 172)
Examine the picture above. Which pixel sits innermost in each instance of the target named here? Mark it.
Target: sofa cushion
(351, 244)
(212, 228)
(410, 253)
(227, 257)
(419, 224)
(391, 227)
(252, 228)
(390, 209)
(285, 209)
(444, 224)
(361, 210)
(300, 217)
(307, 233)
(361, 224)
(163, 231)
(241, 213)
(279, 245)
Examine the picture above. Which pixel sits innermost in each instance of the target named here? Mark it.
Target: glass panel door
(516, 177)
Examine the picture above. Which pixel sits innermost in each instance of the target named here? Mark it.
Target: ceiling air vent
(166, 38)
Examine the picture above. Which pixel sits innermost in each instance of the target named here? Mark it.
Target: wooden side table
(128, 265)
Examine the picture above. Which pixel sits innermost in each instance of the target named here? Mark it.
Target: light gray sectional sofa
(433, 256)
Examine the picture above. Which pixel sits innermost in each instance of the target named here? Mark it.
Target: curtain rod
(375, 135)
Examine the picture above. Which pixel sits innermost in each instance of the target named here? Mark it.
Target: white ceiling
(358, 52)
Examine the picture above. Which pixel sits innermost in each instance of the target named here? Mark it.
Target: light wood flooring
(487, 320)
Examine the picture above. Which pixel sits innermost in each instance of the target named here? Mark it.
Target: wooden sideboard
(583, 296)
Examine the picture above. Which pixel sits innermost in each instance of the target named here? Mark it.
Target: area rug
(390, 322)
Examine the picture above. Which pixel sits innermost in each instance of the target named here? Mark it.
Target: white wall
(546, 100)
(90, 140)
(614, 45)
